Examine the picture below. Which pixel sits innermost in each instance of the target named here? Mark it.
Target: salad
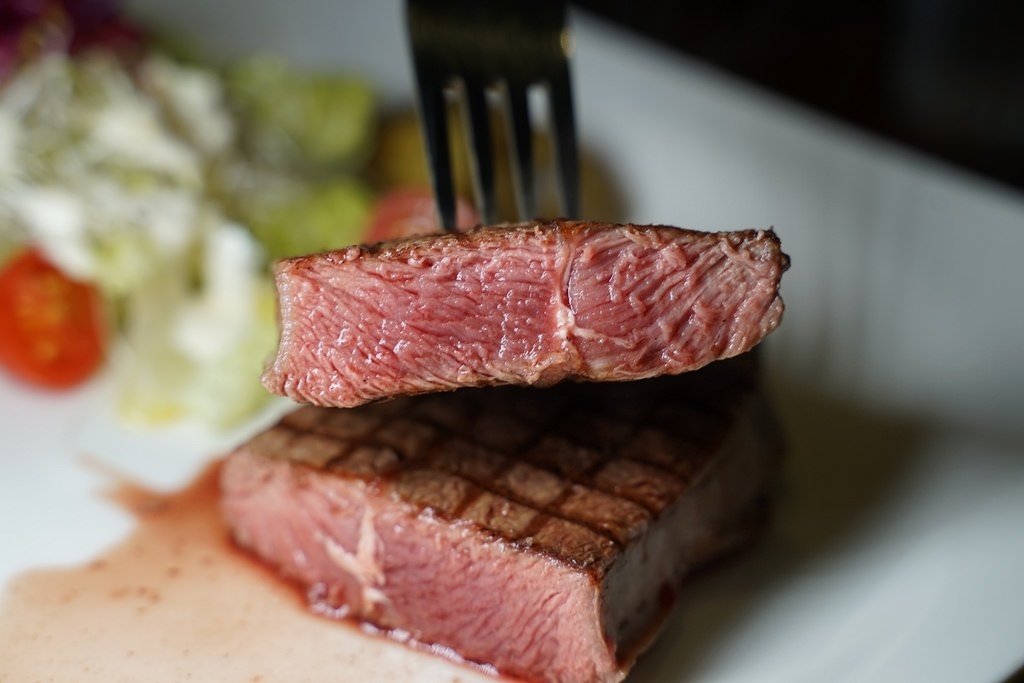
(143, 198)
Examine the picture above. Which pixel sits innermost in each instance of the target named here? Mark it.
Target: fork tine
(522, 142)
(564, 128)
(434, 123)
(482, 158)
(519, 42)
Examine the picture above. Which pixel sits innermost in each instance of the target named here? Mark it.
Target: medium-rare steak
(523, 304)
(541, 532)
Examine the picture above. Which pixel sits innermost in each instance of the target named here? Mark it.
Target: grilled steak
(524, 304)
(541, 532)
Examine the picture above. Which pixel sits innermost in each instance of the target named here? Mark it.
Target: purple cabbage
(29, 28)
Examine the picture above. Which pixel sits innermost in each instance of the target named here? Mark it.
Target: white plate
(895, 554)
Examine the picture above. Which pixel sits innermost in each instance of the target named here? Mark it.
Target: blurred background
(897, 369)
(942, 76)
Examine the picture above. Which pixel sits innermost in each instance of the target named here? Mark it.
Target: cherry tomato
(51, 327)
(410, 211)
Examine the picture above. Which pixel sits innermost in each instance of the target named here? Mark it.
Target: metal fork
(468, 49)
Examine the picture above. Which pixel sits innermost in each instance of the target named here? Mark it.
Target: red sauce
(177, 601)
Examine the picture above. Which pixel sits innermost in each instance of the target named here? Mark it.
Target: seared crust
(567, 471)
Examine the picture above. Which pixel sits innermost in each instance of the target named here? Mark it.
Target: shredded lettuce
(316, 218)
(198, 351)
(300, 119)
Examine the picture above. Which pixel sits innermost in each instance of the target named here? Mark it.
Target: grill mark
(337, 461)
(476, 488)
(546, 432)
(474, 495)
(538, 522)
(704, 446)
(316, 422)
(653, 509)
(442, 434)
(533, 528)
(542, 513)
(482, 487)
(347, 446)
(586, 478)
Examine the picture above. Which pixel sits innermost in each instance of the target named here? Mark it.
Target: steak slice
(522, 304)
(539, 532)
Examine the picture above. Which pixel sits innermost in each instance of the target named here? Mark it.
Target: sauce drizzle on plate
(177, 601)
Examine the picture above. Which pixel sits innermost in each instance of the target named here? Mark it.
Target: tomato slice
(410, 211)
(51, 327)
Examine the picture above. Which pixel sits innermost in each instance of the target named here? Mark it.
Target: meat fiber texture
(539, 533)
(527, 304)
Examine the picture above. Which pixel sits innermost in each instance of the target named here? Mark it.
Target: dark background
(945, 77)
